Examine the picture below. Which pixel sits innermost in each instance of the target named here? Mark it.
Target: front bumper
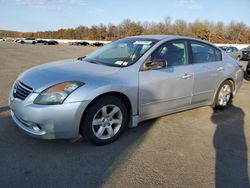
(48, 121)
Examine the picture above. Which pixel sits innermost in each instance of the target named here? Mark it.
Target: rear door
(208, 70)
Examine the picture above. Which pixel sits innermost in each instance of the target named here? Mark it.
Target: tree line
(217, 32)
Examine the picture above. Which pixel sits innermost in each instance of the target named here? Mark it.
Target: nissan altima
(121, 84)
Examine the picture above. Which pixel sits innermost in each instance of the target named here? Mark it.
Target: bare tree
(236, 32)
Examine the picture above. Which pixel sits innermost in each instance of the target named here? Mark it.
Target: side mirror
(81, 58)
(154, 65)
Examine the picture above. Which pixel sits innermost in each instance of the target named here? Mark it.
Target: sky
(42, 15)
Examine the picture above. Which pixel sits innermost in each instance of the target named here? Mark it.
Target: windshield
(123, 52)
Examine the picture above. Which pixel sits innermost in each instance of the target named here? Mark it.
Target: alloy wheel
(224, 95)
(107, 122)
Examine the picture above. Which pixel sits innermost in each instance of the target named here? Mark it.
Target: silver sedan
(122, 84)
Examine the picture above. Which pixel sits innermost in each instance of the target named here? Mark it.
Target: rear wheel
(105, 120)
(224, 95)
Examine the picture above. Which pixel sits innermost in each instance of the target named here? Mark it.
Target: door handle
(186, 76)
(221, 69)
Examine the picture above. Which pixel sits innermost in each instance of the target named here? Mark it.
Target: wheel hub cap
(107, 122)
(224, 95)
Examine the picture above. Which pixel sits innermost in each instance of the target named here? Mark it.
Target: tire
(33, 42)
(223, 96)
(110, 116)
(22, 42)
(247, 72)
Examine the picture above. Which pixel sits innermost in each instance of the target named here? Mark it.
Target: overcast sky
(41, 15)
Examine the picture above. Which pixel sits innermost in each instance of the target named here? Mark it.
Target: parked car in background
(1, 39)
(232, 51)
(41, 41)
(18, 40)
(28, 41)
(79, 43)
(248, 71)
(129, 80)
(82, 43)
(97, 44)
(51, 42)
(246, 53)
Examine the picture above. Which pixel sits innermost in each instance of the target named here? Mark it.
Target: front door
(167, 88)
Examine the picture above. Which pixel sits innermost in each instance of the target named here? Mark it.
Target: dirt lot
(196, 148)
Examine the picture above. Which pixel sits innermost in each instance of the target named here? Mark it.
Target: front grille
(21, 91)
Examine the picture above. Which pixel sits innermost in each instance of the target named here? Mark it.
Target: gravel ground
(195, 148)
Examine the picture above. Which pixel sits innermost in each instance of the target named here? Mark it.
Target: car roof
(156, 37)
(163, 37)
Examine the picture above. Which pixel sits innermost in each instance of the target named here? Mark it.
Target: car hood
(44, 76)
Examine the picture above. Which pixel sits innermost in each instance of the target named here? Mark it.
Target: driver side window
(174, 52)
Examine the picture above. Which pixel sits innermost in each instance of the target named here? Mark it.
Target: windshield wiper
(94, 62)
(90, 61)
(97, 62)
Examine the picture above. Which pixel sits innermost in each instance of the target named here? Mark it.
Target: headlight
(57, 93)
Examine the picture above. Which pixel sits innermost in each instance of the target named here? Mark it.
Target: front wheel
(105, 120)
(224, 96)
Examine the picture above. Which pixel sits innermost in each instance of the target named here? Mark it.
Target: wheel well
(119, 95)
